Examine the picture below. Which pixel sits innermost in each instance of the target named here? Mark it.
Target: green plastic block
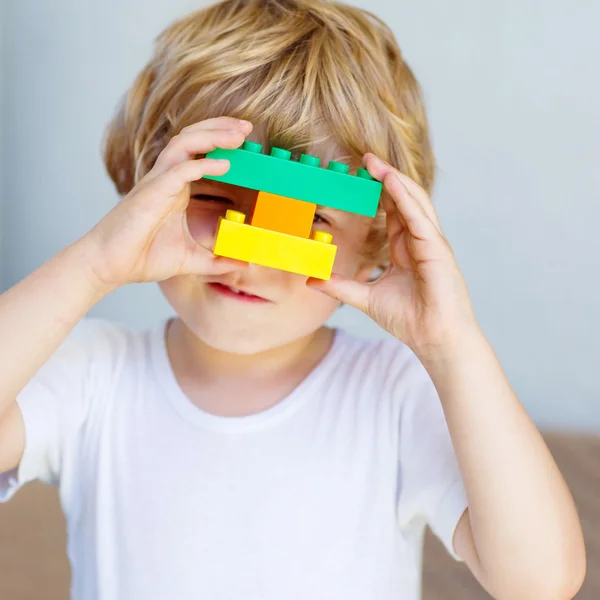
(301, 179)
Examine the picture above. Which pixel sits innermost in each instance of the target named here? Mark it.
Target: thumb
(200, 260)
(348, 291)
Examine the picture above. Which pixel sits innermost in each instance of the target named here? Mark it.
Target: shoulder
(95, 346)
(386, 389)
(96, 335)
(97, 356)
(385, 362)
(381, 376)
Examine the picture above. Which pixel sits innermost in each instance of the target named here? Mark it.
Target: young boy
(243, 449)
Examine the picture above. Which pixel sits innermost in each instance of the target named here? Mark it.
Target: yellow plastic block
(283, 214)
(310, 257)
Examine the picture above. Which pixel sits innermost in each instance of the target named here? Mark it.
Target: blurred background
(512, 91)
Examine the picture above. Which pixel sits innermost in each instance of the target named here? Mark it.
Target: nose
(246, 201)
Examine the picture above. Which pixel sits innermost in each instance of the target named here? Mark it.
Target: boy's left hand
(421, 298)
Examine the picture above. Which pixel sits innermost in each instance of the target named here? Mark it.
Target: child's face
(282, 309)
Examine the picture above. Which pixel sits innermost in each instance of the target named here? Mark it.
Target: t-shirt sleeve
(430, 486)
(55, 405)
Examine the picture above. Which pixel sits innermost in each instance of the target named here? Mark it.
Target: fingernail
(242, 122)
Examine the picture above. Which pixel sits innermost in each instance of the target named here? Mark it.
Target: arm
(521, 536)
(144, 238)
(36, 315)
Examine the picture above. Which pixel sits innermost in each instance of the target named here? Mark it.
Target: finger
(201, 261)
(395, 227)
(185, 145)
(394, 223)
(348, 291)
(176, 178)
(221, 123)
(382, 168)
(378, 168)
(411, 210)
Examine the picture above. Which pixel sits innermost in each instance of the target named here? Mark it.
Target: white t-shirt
(323, 496)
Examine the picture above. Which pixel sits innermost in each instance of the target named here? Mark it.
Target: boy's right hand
(146, 237)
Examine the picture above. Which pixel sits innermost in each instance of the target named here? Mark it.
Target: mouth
(236, 293)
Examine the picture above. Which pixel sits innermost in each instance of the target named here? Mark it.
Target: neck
(190, 355)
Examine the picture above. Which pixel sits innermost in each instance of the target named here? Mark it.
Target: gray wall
(512, 91)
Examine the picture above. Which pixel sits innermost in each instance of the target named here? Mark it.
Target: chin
(241, 338)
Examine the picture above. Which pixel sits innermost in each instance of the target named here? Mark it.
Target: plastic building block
(301, 179)
(286, 215)
(310, 257)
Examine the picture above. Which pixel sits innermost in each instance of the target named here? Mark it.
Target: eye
(211, 198)
(320, 219)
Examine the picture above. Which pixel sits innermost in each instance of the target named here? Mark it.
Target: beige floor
(33, 565)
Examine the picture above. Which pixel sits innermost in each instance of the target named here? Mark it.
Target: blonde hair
(310, 75)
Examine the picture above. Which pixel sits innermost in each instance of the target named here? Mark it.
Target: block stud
(235, 216)
(338, 167)
(307, 179)
(364, 174)
(252, 147)
(321, 236)
(308, 159)
(280, 153)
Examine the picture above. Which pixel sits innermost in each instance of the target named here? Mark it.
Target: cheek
(347, 261)
(311, 309)
(350, 241)
(175, 289)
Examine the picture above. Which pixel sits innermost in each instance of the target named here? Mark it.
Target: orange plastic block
(312, 257)
(283, 214)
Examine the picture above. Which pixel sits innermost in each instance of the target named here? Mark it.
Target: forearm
(38, 313)
(523, 519)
